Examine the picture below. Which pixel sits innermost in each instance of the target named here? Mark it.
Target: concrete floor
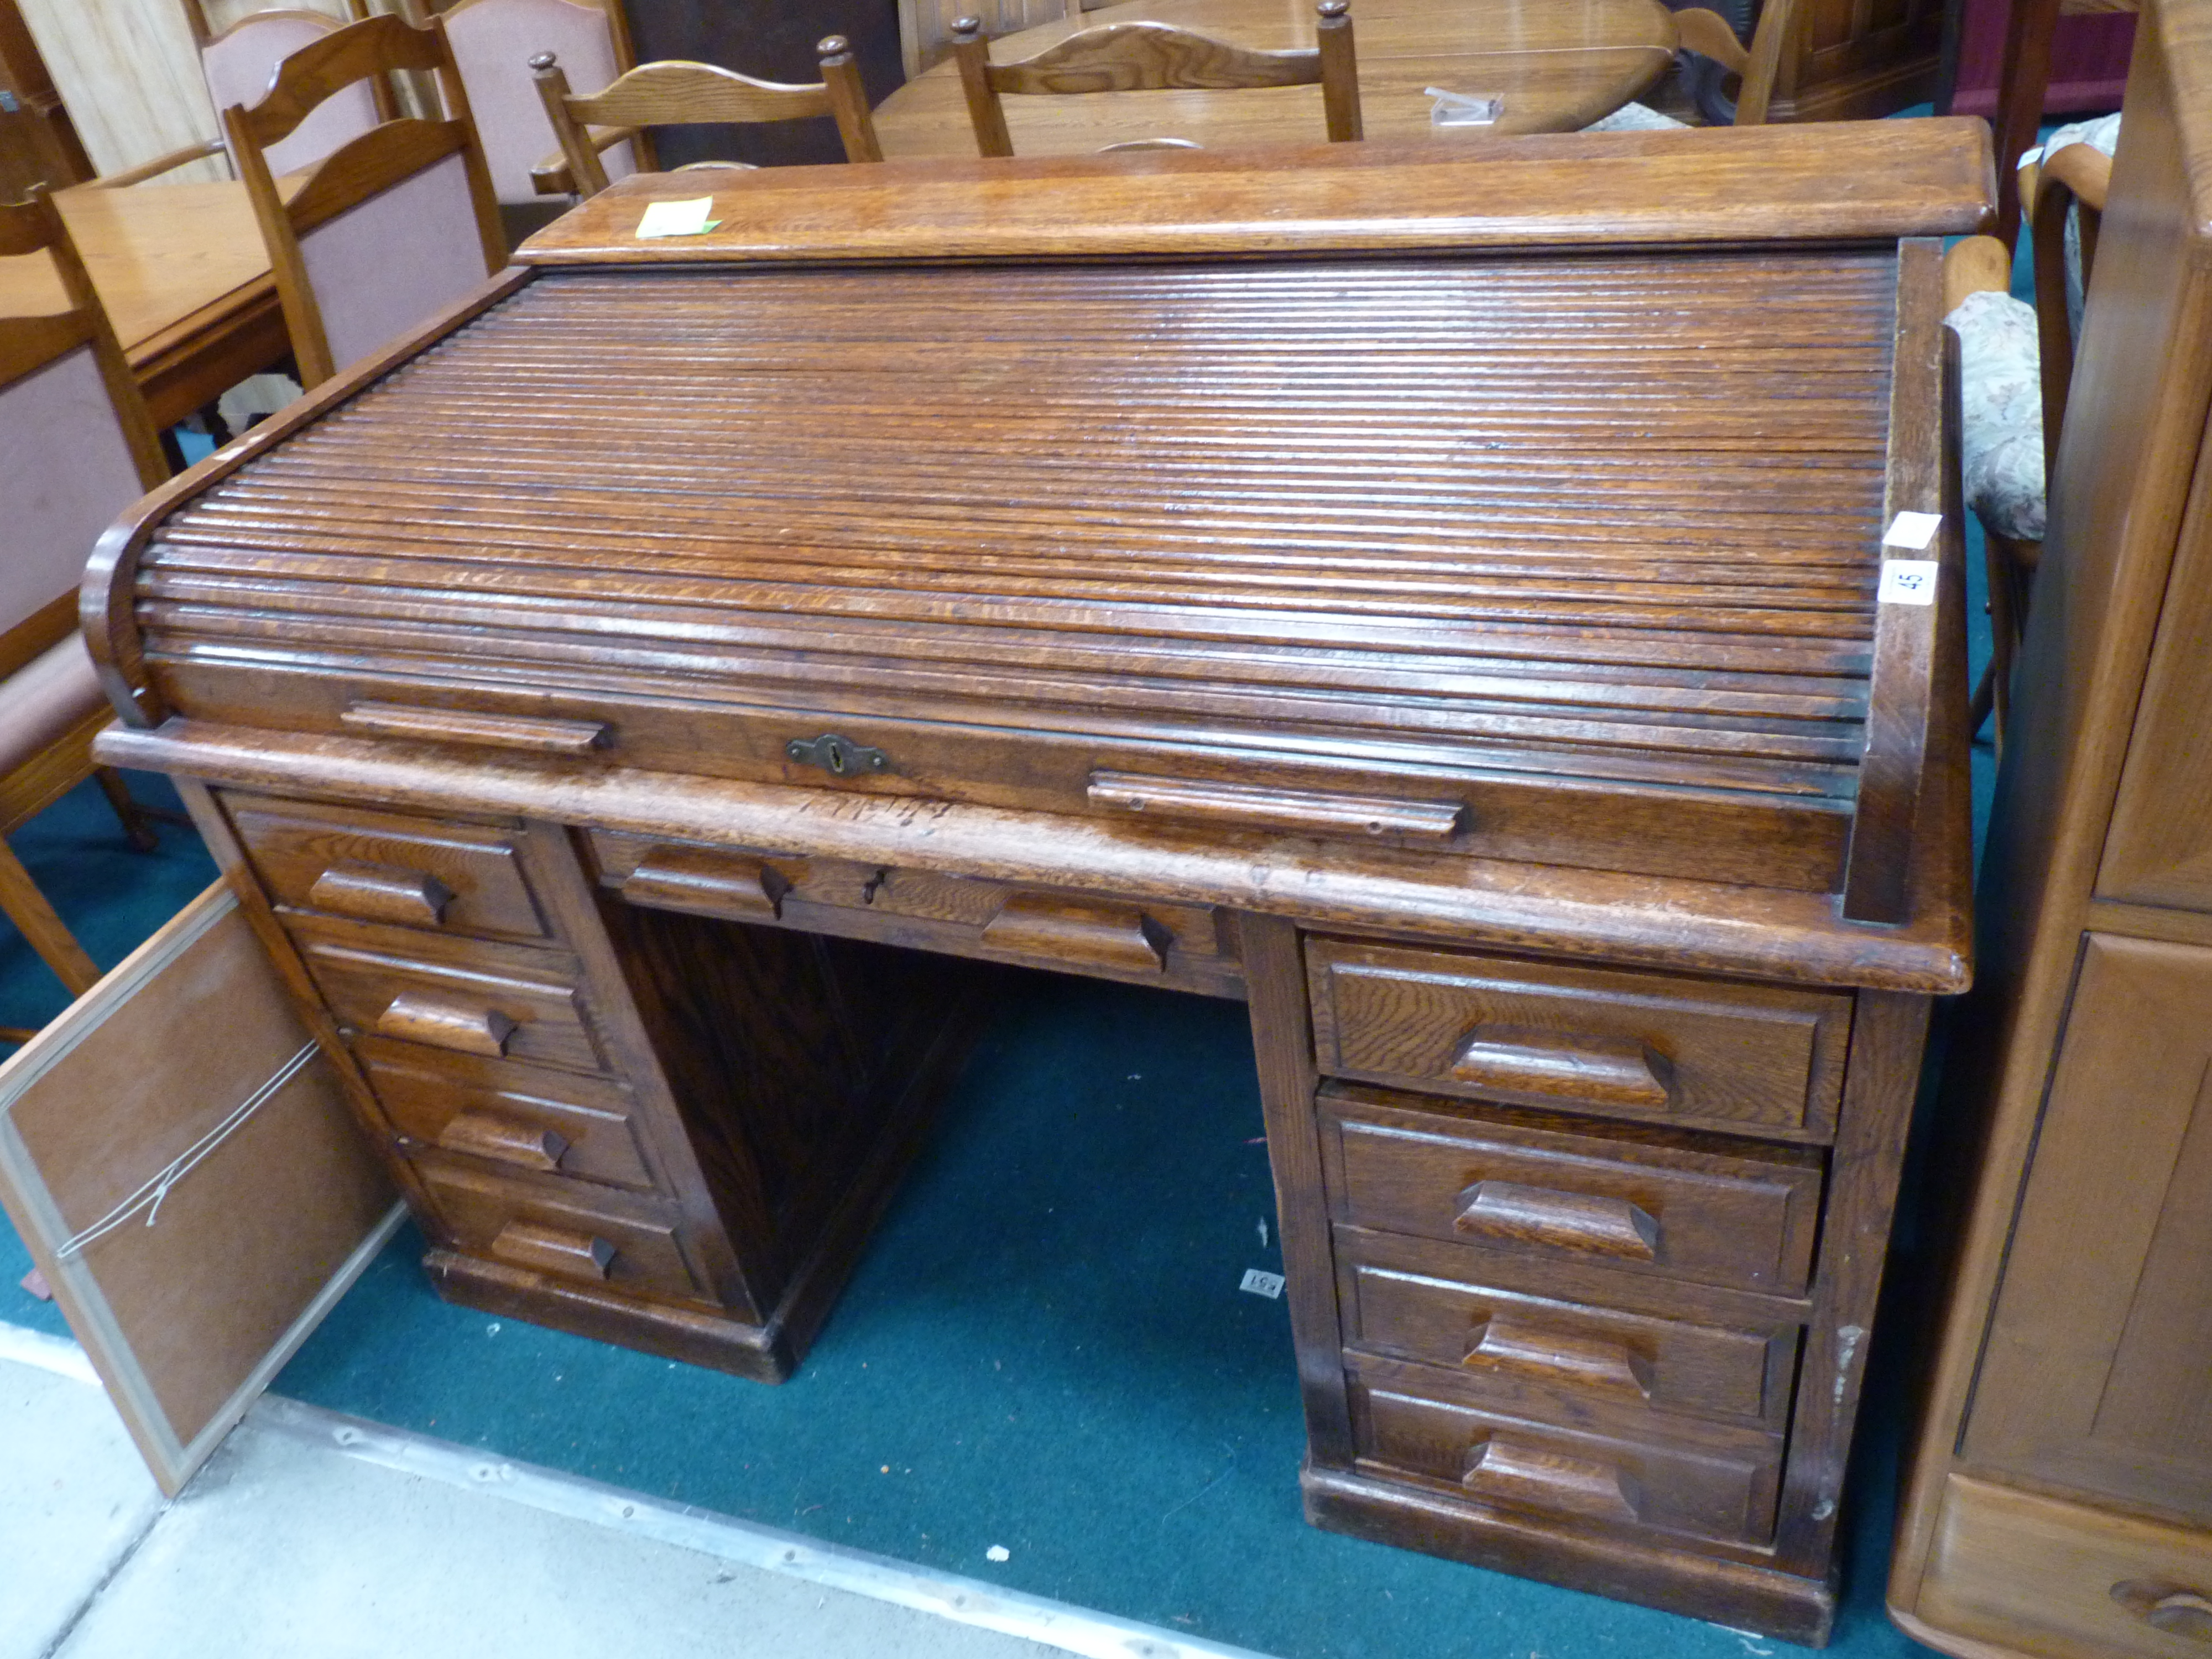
(312, 1537)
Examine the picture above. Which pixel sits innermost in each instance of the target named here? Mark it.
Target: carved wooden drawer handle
(1502, 1467)
(487, 1134)
(1502, 1343)
(1079, 930)
(420, 1019)
(1605, 1070)
(543, 737)
(1308, 811)
(1513, 1214)
(378, 892)
(2172, 1608)
(554, 1250)
(718, 883)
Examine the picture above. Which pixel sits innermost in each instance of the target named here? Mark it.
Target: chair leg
(127, 812)
(2004, 625)
(26, 907)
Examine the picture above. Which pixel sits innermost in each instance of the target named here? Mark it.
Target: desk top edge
(1846, 181)
(1661, 922)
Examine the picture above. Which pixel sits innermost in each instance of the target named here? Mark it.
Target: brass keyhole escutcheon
(841, 758)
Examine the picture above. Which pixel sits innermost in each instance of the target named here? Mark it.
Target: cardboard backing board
(181, 1161)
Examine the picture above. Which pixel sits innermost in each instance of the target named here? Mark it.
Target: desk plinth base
(764, 1353)
(1736, 1594)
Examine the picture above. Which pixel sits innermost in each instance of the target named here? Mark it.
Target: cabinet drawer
(2043, 1575)
(1720, 1491)
(1641, 1200)
(545, 1121)
(1548, 1344)
(559, 1234)
(1184, 947)
(1699, 1052)
(381, 867)
(486, 1001)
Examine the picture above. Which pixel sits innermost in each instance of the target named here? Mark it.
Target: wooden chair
(2017, 364)
(1710, 37)
(679, 93)
(2030, 31)
(2067, 186)
(390, 227)
(926, 26)
(494, 43)
(237, 63)
(1156, 57)
(76, 448)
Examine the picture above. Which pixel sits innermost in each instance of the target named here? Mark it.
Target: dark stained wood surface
(1706, 926)
(1501, 607)
(1139, 546)
(1709, 185)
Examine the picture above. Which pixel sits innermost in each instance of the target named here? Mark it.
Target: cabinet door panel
(2099, 1369)
(2160, 848)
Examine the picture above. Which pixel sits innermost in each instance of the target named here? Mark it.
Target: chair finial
(542, 61)
(967, 28)
(832, 46)
(1334, 9)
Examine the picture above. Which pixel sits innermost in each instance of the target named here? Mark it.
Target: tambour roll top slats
(1586, 545)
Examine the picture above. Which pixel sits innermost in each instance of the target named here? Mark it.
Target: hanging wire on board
(149, 1197)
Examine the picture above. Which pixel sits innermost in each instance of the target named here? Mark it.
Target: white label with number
(1908, 582)
(1262, 1284)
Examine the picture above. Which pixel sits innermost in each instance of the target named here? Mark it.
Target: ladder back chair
(1157, 58)
(678, 94)
(389, 228)
(237, 63)
(76, 448)
(495, 42)
(926, 26)
(1708, 36)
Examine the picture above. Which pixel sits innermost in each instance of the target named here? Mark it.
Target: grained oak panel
(1666, 1049)
(1443, 532)
(1546, 1186)
(1547, 1342)
(2098, 1371)
(1711, 1486)
(355, 864)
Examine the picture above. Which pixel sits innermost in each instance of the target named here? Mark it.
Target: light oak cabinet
(2060, 1502)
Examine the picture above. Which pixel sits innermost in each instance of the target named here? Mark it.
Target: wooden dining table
(186, 280)
(1555, 65)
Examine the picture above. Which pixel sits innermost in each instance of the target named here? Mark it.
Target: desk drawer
(1698, 1052)
(1549, 1345)
(1716, 1487)
(521, 1116)
(381, 867)
(461, 997)
(1183, 947)
(1641, 1200)
(559, 1234)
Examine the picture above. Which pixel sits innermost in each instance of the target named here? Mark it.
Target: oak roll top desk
(1431, 598)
